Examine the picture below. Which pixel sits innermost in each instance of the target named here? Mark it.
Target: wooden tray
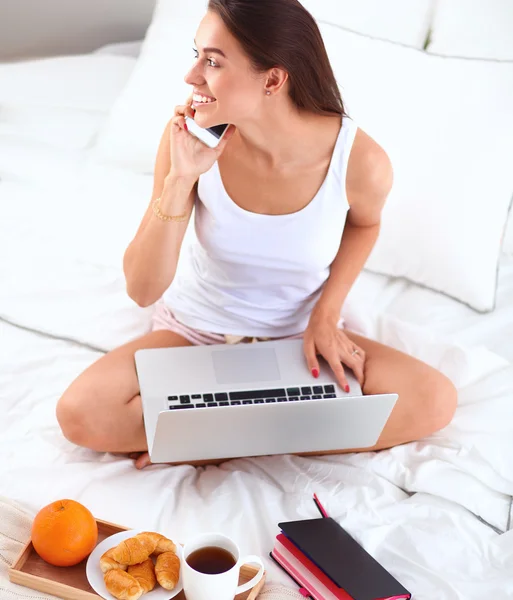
(71, 583)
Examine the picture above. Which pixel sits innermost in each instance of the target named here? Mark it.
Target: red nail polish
(185, 127)
(346, 388)
(315, 372)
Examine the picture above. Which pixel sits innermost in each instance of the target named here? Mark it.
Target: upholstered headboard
(30, 28)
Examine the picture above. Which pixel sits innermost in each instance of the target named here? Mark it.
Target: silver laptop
(225, 401)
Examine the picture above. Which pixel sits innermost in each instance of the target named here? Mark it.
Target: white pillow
(87, 82)
(404, 21)
(476, 29)
(59, 102)
(447, 125)
(132, 49)
(507, 247)
(56, 127)
(473, 28)
(132, 134)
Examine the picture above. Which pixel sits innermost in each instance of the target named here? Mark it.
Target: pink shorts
(163, 318)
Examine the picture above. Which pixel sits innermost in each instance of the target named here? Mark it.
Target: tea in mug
(211, 560)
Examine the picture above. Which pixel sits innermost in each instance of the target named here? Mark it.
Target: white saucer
(95, 575)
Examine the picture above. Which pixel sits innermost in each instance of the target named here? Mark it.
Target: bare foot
(142, 459)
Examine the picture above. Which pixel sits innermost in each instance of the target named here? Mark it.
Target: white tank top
(260, 275)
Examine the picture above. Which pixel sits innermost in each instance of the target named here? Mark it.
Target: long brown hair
(282, 33)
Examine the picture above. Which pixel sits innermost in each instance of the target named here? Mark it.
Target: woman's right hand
(189, 156)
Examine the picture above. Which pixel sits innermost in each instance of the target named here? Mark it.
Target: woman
(287, 211)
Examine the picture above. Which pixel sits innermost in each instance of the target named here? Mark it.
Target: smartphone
(210, 136)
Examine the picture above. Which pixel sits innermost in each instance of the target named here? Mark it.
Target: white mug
(221, 586)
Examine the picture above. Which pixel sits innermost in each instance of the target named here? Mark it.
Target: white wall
(30, 28)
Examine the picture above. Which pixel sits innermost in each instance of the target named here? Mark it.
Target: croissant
(167, 570)
(122, 585)
(107, 562)
(134, 550)
(145, 574)
(163, 543)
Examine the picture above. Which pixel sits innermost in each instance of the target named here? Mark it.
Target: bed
(437, 513)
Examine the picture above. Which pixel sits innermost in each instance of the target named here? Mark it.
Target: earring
(268, 92)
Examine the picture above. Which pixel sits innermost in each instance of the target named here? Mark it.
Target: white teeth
(198, 98)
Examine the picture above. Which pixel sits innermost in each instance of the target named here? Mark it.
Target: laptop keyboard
(238, 398)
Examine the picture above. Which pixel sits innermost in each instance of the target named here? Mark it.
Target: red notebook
(305, 572)
(323, 558)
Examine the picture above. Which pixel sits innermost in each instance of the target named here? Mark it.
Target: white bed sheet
(412, 507)
(431, 511)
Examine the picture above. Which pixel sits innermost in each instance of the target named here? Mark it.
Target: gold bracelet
(163, 217)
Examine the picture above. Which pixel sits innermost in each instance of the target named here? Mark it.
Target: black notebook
(342, 559)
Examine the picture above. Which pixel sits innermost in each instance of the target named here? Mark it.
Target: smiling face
(226, 88)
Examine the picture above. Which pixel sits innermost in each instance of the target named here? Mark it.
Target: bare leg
(102, 409)
(427, 398)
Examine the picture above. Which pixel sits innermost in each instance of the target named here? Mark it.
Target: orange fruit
(64, 533)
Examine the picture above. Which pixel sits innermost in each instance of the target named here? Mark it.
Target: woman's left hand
(322, 336)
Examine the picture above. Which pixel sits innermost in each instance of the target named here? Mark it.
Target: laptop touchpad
(245, 365)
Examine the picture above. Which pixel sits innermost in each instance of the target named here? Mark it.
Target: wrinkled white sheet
(414, 507)
(433, 512)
